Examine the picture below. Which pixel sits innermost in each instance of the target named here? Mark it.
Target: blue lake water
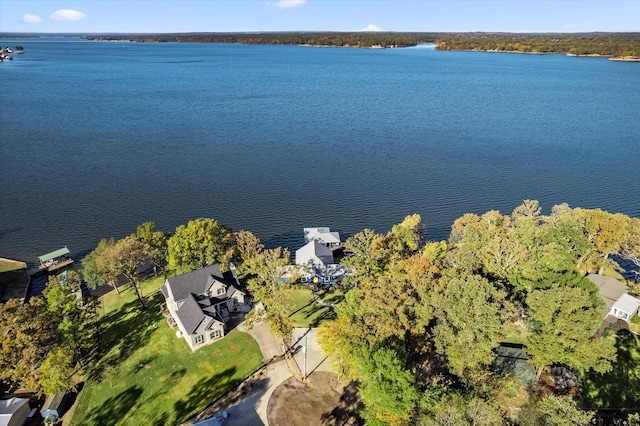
(98, 137)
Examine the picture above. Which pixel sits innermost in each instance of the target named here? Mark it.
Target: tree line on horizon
(597, 43)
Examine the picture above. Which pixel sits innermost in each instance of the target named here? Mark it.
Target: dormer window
(221, 290)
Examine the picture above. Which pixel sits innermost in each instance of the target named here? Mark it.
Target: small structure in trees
(619, 303)
(54, 407)
(511, 359)
(55, 260)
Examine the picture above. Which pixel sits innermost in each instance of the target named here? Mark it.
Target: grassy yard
(309, 313)
(619, 388)
(7, 265)
(13, 279)
(157, 380)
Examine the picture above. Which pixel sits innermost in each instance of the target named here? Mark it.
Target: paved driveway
(315, 358)
(252, 409)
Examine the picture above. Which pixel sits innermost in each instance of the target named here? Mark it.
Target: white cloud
(282, 4)
(371, 27)
(31, 19)
(67, 15)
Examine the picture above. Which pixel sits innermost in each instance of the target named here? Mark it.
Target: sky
(162, 16)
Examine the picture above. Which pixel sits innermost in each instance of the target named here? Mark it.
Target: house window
(235, 300)
(221, 290)
(625, 316)
(199, 339)
(215, 335)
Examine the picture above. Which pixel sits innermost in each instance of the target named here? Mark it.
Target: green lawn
(158, 380)
(7, 265)
(13, 278)
(309, 313)
(619, 388)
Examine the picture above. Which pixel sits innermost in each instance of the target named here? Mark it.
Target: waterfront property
(200, 303)
(314, 254)
(324, 236)
(619, 303)
(315, 259)
(55, 260)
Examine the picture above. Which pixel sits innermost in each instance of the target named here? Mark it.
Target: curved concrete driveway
(252, 410)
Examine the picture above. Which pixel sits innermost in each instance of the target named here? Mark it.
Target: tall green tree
(157, 244)
(405, 238)
(471, 317)
(75, 317)
(387, 387)
(96, 272)
(555, 410)
(124, 258)
(199, 243)
(246, 246)
(269, 281)
(563, 322)
(368, 255)
(27, 335)
(56, 371)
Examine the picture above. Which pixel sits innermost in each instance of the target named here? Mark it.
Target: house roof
(196, 282)
(314, 251)
(193, 311)
(54, 254)
(512, 359)
(627, 303)
(609, 289)
(190, 314)
(322, 234)
(11, 405)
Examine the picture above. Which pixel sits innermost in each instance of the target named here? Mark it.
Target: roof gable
(190, 314)
(312, 251)
(11, 405)
(627, 303)
(195, 282)
(322, 234)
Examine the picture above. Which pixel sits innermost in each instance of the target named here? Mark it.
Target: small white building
(314, 254)
(619, 303)
(14, 411)
(323, 235)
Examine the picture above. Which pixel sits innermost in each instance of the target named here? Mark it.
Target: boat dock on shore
(55, 260)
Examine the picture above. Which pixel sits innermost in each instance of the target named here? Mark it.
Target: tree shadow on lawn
(312, 309)
(204, 393)
(114, 409)
(320, 312)
(619, 388)
(122, 332)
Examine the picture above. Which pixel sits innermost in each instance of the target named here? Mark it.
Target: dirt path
(321, 400)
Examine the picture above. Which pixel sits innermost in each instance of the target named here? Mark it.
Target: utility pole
(304, 351)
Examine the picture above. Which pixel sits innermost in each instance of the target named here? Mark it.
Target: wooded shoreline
(615, 45)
